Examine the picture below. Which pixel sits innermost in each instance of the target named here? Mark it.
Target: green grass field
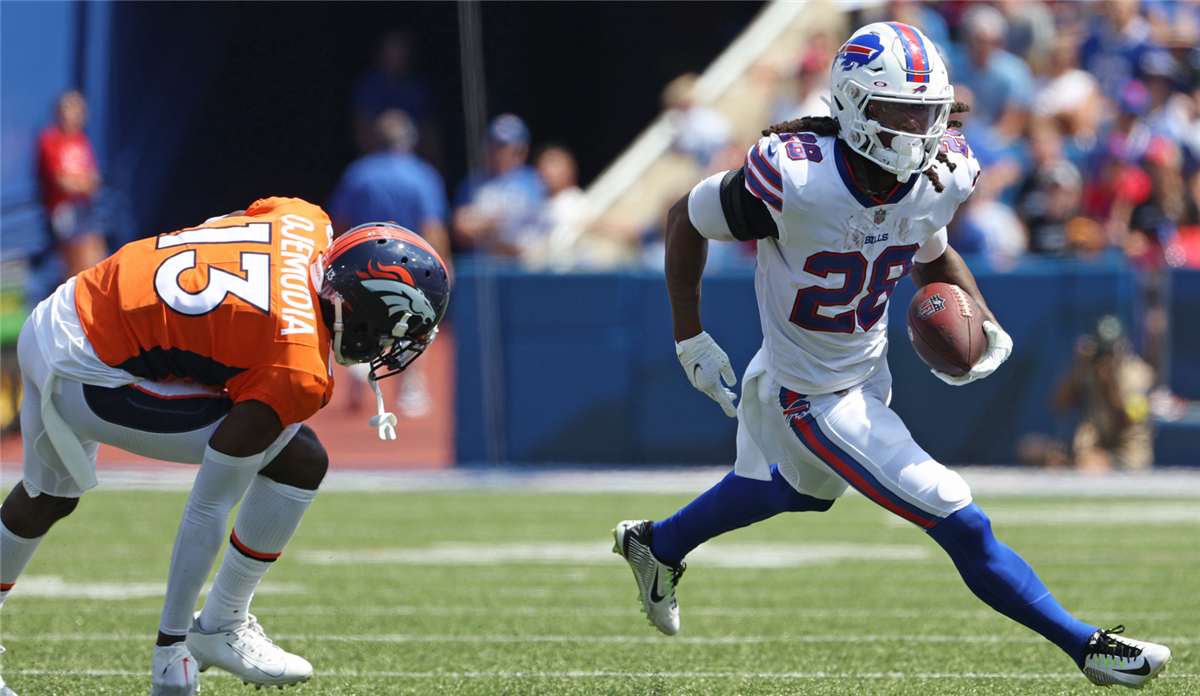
(518, 593)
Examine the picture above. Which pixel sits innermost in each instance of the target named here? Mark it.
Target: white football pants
(170, 421)
(827, 442)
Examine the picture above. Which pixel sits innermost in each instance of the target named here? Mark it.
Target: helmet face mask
(913, 118)
(383, 291)
(891, 97)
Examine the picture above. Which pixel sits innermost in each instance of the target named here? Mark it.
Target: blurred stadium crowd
(1085, 117)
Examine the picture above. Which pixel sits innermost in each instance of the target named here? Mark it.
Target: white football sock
(220, 483)
(15, 553)
(266, 521)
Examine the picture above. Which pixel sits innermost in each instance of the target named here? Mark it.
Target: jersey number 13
(254, 288)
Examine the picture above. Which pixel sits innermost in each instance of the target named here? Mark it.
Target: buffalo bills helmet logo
(859, 51)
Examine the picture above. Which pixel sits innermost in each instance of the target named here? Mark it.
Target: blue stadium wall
(587, 371)
(143, 67)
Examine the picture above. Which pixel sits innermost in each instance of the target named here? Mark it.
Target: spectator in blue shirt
(390, 84)
(1115, 44)
(393, 184)
(496, 210)
(1001, 82)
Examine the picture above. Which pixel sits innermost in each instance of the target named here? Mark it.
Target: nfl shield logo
(880, 216)
(930, 306)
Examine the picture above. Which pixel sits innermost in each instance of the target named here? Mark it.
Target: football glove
(705, 364)
(999, 347)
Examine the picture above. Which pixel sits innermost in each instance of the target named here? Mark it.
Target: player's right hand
(705, 364)
(999, 347)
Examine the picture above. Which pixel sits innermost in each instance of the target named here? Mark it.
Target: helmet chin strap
(338, 327)
(385, 422)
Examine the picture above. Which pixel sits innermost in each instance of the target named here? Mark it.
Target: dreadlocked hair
(817, 125)
(828, 126)
(958, 108)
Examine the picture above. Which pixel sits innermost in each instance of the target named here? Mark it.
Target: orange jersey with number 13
(229, 303)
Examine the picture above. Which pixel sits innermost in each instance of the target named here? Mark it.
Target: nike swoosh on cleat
(272, 668)
(654, 595)
(1140, 671)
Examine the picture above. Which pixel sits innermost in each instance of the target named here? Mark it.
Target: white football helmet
(891, 97)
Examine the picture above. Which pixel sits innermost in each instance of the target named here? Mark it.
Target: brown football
(946, 328)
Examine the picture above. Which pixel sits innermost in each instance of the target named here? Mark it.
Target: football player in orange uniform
(211, 346)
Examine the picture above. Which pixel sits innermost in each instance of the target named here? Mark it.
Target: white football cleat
(174, 671)
(656, 580)
(4, 690)
(245, 651)
(1110, 659)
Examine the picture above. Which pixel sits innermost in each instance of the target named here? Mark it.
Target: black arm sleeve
(746, 215)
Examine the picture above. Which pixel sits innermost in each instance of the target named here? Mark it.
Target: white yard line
(1130, 513)
(715, 555)
(54, 587)
(999, 481)
(583, 674)
(798, 612)
(501, 639)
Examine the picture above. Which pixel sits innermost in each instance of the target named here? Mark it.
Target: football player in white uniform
(843, 208)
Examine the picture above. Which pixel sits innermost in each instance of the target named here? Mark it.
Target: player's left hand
(999, 347)
(705, 364)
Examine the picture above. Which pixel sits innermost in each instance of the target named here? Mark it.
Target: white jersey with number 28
(823, 286)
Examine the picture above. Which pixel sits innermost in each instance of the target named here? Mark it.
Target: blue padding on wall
(37, 58)
(589, 372)
(1177, 443)
(1045, 308)
(1185, 334)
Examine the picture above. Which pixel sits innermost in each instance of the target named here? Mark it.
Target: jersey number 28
(892, 265)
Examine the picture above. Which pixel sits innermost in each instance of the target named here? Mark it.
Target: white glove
(705, 364)
(999, 347)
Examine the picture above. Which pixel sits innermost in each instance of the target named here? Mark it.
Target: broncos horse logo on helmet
(383, 291)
